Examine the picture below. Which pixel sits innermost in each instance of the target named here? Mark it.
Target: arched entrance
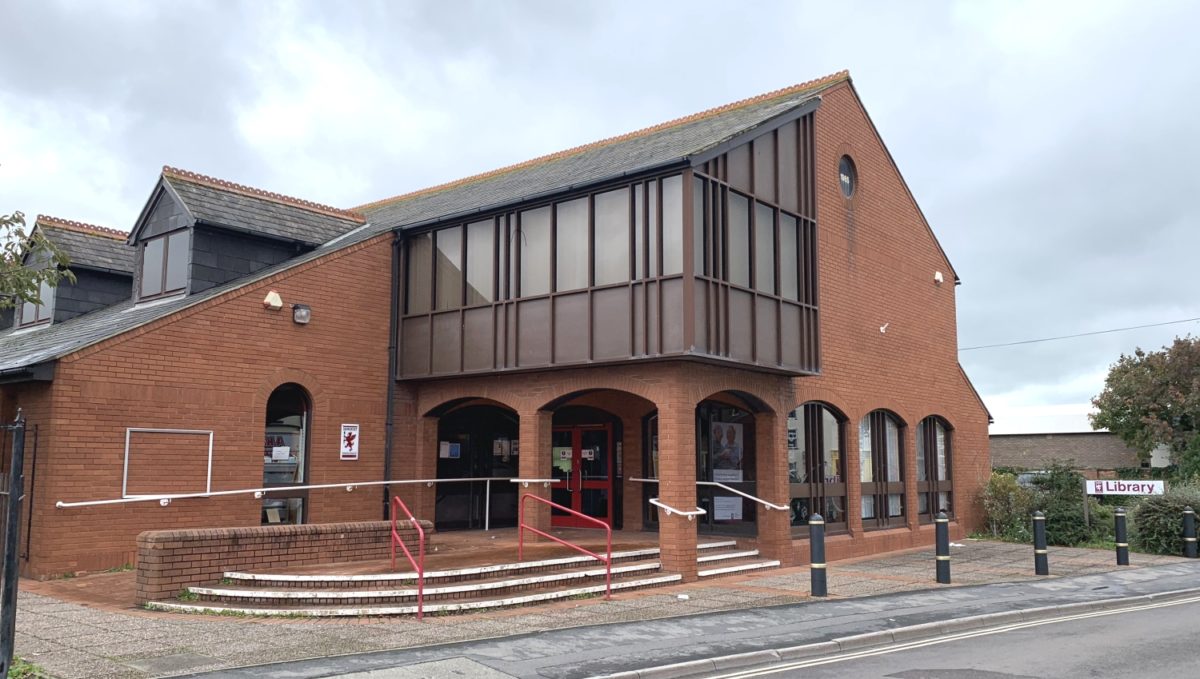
(726, 455)
(477, 441)
(285, 454)
(586, 465)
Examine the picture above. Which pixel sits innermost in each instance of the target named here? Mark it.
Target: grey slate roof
(91, 250)
(631, 153)
(245, 212)
(595, 162)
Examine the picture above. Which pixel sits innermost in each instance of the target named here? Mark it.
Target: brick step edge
(469, 588)
(299, 581)
(317, 612)
(742, 567)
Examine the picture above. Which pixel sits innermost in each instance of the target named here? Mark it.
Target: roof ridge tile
(225, 185)
(81, 227)
(741, 103)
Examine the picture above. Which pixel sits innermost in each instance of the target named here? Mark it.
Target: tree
(1153, 398)
(27, 260)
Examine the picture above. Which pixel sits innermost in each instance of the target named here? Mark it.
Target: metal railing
(418, 564)
(748, 496)
(672, 510)
(166, 498)
(690, 514)
(606, 559)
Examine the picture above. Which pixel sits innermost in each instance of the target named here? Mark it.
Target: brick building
(746, 300)
(1094, 453)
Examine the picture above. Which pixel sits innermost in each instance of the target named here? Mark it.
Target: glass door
(582, 464)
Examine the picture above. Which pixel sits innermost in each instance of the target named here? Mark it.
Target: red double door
(582, 463)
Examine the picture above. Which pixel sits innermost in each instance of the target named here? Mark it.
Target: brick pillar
(771, 457)
(414, 456)
(631, 468)
(854, 522)
(677, 483)
(909, 452)
(534, 461)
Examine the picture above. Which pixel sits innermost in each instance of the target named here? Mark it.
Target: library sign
(1115, 487)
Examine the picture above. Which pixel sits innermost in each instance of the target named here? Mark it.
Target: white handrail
(166, 499)
(748, 496)
(545, 482)
(672, 510)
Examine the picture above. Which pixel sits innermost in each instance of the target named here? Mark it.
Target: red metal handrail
(606, 560)
(418, 564)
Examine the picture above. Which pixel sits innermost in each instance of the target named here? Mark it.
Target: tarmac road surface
(1156, 640)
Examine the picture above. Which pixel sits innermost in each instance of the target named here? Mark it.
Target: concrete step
(407, 578)
(726, 555)
(304, 610)
(735, 566)
(500, 586)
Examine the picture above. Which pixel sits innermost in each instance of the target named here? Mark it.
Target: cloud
(1049, 144)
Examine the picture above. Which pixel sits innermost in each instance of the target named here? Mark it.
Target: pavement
(79, 628)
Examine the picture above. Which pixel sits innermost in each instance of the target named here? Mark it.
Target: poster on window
(727, 508)
(349, 441)
(726, 442)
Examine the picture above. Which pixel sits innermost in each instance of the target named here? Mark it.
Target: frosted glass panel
(739, 240)
(611, 248)
(571, 241)
(481, 247)
(449, 268)
(672, 227)
(535, 252)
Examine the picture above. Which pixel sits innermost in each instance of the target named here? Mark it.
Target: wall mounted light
(938, 278)
(301, 314)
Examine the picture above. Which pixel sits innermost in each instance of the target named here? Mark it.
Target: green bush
(1058, 493)
(1007, 506)
(1158, 519)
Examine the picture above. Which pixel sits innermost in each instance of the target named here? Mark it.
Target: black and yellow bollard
(942, 534)
(1189, 532)
(816, 545)
(1041, 561)
(1122, 537)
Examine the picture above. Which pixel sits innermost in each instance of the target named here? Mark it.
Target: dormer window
(36, 314)
(164, 265)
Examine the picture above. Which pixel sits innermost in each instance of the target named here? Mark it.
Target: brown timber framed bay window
(881, 468)
(593, 276)
(816, 466)
(164, 265)
(935, 486)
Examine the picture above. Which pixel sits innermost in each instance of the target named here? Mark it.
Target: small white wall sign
(349, 442)
(1118, 487)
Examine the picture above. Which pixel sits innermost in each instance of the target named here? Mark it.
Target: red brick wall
(213, 367)
(170, 560)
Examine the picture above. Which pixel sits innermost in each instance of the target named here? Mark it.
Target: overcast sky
(1052, 145)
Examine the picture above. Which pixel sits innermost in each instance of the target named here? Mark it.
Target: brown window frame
(166, 257)
(932, 486)
(880, 488)
(820, 490)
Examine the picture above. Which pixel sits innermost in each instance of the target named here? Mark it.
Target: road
(1156, 641)
(581, 652)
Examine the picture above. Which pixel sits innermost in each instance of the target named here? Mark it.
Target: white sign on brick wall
(349, 441)
(1118, 487)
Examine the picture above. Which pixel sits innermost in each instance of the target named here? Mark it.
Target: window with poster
(725, 455)
(285, 460)
(816, 466)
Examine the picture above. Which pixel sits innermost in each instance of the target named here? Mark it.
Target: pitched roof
(88, 245)
(244, 208)
(676, 140)
(259, 211)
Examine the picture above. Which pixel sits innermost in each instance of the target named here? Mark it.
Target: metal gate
(12, 493)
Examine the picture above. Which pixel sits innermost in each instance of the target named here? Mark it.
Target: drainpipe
(393, 335)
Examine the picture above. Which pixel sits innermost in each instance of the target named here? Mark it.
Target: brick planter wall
(170, 560)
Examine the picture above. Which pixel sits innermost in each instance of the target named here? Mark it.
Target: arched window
(816, 466)
(285, 459)
(881, 467)
(935, 486)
